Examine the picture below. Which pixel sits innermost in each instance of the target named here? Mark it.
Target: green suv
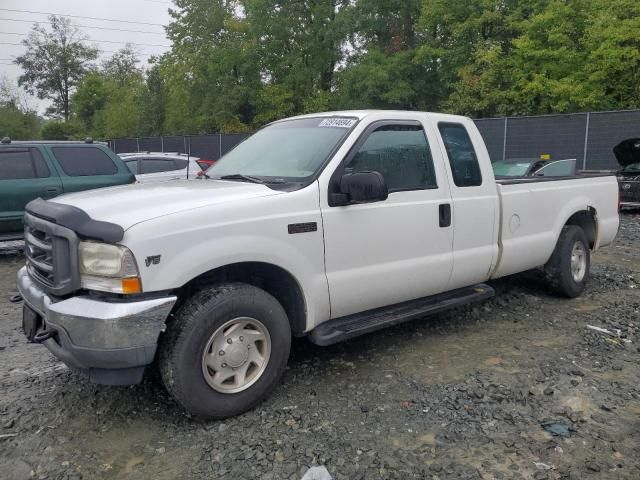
(29, 170)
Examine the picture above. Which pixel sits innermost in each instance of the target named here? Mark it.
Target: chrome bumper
(113, 341)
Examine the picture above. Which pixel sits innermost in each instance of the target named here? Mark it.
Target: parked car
(29, 170)
(328, 225)
(528, 167)
(628, 155)
(161, 166)
(205, 163)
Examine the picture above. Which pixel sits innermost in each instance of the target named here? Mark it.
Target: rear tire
(231, 331)
(568, 268)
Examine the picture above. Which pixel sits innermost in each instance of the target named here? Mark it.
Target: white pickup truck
(328, 226)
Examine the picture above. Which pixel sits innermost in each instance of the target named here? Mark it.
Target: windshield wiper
(248, 178)
(238, 176)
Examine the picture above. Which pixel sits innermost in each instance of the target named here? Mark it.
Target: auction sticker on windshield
(337, 122)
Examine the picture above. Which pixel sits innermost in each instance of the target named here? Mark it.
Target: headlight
(108, 268)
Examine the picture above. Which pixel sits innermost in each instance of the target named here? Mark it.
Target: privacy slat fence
(587, 137)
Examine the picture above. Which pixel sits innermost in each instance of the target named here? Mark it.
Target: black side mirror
(363, 187)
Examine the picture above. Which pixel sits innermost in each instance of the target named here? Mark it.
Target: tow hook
(43, 336)
(15, 298)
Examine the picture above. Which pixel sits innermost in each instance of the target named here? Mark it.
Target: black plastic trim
(520, 180)
(351, 326)
(75, 219)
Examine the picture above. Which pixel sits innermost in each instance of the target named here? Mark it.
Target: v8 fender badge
(152, 260)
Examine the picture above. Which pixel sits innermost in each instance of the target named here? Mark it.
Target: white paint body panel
(362, 256)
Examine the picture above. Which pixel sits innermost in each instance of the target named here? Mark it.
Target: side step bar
(344, 328)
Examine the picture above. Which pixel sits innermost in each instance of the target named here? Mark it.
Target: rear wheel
(568, 267)
(225, 351)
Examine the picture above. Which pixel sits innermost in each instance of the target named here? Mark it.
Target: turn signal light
(131, 285)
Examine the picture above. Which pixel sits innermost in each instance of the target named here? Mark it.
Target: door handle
(444, 214)
(53, 189)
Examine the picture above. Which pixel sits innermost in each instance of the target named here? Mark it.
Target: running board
(344, 328)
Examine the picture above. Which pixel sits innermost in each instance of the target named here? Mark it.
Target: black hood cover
(628, 151)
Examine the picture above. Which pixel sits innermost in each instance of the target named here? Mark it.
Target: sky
(142, 20)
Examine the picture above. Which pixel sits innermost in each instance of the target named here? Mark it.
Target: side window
(84, 161)
(560, 168)
(132, 165)
(155, 165)
(180, 163)
(39, 165)
(16, 164)
(462, 157)
(401, 154)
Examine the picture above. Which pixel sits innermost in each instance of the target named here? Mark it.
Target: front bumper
(111, 341)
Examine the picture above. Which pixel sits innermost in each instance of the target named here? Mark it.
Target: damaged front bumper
(112, 341)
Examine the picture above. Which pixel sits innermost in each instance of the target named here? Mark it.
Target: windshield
(509, 169)
(634, 167)
(289, 151)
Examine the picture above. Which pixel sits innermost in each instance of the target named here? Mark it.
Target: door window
(132, 165)
(39, 165)
(401, 154)
(180, 163)
(84, 161)
(156, 165)
(462, 156)
(560, 168)
(21, 164)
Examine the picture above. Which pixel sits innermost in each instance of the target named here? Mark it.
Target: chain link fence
(587, 137)
(210, 147)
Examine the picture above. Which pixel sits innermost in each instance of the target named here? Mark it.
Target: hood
(628, 151)
(127, 205)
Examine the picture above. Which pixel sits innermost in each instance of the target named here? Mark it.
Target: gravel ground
(516, 387)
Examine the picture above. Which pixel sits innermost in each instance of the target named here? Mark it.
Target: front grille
(39, 252)
(51, 255)
(630, 189)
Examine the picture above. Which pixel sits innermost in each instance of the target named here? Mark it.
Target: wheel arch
(273, 279)
(587, 220)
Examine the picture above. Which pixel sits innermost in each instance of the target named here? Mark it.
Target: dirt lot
(472, 393)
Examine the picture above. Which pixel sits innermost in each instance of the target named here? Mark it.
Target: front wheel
(568, 267)
(225, 350)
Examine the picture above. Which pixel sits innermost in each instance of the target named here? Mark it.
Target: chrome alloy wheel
(578, 262)
(236, 355)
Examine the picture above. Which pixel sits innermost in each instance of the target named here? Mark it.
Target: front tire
(569, 265)
(225, 350)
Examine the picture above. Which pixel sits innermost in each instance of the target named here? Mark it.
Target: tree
(122, 67)
(17, 120)
(211, 74)
(55, 61)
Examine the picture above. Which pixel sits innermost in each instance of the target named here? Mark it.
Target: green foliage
(55, 61)
(235, 65)
(59, 130)
(17, 120)
(18, 125)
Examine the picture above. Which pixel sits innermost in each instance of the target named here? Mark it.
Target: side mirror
(363, 187)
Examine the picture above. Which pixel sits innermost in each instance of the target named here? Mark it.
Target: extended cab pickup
(329, 226)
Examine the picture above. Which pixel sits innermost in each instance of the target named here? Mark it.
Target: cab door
(475, 203)
(24, 176)
(399, 249)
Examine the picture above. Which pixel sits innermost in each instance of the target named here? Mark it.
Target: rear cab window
(83, 161)
(22, 163)
(463, 160)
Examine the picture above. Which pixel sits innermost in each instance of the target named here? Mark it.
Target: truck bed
(534, 210)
